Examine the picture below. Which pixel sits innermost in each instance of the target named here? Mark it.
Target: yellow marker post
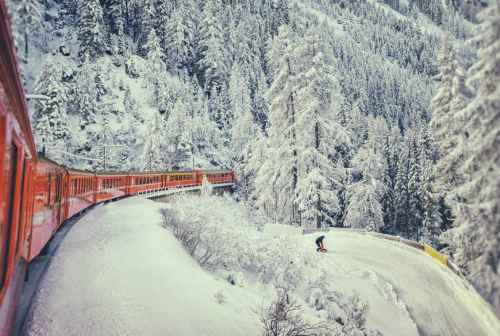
(436, 255)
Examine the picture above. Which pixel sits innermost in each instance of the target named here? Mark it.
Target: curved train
(37, 195)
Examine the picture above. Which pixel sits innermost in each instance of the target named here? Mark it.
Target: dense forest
(370, 114)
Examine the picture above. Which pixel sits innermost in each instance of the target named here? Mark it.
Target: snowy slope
(119, 272)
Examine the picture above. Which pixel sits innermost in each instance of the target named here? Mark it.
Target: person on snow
(319, 243)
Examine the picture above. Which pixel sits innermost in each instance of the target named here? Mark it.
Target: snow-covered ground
(120, 272)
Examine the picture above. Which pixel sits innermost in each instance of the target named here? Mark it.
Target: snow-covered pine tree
(86, 94)
(401, 192)
(91, 30)
(391, 148)
(181, 37)
(244, 130)
(442, 116)
(241, 106)
(244, 51)
(321, 139)
(152, 155)
(154, 54)
(219, 108)
(51, 125)
(364, 209)
(476, 236)
(164, 10)
(452, 142)
(413, 228)
(28, 19)
(432, 221)
(178, 135)
(214, 63)
(156, 72)
(277, 179)
(145, 24)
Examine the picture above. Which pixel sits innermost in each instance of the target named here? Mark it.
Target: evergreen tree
(181, 36)
(152, 154)
(28, 17)
(243, 126)
(91, 31)
(86, 94)
(365, 195)
(214, 61)
(321, 139)
(51, 123)
(277, 179)
(476, 236)
(145, 23)
(178, 135)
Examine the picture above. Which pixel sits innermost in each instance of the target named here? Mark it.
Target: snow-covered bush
(132, 66)
(348, 313)
(188, 233)
(220, 297)
(211, 237)
(284, 317)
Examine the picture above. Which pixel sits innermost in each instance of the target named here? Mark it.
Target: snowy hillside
(128, 275)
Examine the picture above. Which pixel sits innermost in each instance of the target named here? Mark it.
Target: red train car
(17, 158)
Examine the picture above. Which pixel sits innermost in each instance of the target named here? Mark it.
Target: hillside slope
(119, 272)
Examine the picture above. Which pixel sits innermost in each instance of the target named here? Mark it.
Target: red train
(38, 195)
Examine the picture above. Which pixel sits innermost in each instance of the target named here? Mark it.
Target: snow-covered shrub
(220, 297)
(347, 312)
(206, 187)
(188, 233)
(207, 228)
(283, 317)
(236, 279)
(132, 66)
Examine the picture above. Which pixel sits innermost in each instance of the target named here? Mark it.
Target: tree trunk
(26, 47)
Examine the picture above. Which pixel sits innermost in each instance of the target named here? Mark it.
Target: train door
(11, 203)
(27, 206)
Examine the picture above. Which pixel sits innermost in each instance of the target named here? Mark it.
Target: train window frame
(14, 215)
(49, 193)
(24, 191)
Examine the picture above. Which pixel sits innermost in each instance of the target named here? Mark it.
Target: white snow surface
(119, 272)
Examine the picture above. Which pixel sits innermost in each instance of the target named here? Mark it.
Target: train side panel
(80, 192)
(110, 187)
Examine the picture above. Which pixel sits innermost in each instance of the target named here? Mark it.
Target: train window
(21, 202)
(58, 188)
(49, 195)
(5, 233)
